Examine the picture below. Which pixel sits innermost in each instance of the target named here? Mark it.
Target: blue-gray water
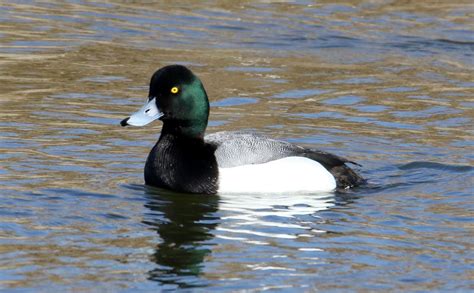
(388, 84)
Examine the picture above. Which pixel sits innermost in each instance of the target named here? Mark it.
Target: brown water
(388, 84)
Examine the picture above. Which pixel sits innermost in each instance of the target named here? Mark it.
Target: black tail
(345, 176)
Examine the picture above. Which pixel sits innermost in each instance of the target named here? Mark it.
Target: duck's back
(235, 149)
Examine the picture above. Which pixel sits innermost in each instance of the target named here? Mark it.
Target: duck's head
(176, 97)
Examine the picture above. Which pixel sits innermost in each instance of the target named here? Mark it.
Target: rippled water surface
(388, 84)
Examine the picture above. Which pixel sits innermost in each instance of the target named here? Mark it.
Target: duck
(185, 159)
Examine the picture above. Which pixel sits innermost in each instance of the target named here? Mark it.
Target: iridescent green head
(176, 97)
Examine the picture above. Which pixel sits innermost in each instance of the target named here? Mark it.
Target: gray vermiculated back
(240, 148)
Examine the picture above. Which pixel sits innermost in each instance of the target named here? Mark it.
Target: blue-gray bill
(147, 114)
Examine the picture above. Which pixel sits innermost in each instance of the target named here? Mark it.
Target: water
(387, 84)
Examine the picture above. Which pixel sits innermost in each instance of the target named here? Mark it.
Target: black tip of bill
(124, 122)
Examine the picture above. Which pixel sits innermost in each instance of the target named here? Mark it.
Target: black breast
(182, 164)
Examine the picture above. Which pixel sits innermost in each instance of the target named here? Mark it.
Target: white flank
(291, 174)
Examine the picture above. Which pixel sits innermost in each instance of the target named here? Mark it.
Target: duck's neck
(184, 128)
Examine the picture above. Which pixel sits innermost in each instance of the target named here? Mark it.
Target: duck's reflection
(185, 223)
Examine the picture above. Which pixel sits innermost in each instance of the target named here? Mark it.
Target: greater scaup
(185, 160)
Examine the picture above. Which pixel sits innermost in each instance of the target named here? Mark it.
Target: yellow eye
(174, 90)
